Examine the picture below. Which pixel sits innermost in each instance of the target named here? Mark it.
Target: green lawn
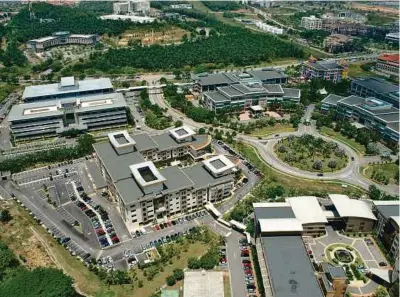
(359, 148)
(382, 172)
(278, 128)
(304, 160)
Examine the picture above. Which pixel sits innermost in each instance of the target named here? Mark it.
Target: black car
(320, 174)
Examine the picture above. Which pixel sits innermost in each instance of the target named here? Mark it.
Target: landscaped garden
(387, 173)
(311, 153)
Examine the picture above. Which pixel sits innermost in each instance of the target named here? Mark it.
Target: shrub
(178, 274)
(317, 165)
(171, 280)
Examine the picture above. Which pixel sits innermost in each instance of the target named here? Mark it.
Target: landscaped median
(385, 173)
(359, 148)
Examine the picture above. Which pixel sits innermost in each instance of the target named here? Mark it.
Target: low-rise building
(333, 280)
(68, 87)
(311, 23)
(388, 64)
(181, 6)
(327, 70)
(146, 193)
(375, 87)
(245, 95)
(269, 28)
(336, 43)
(372, 113)
(62, 38)
(387, 227)
(393, 37)
(210, 82)
(141, 7)
(51, 117)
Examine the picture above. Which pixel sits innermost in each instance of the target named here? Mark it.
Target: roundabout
(310, 153)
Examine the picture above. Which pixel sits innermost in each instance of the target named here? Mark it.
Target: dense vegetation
(17, 281)
(20, 163)
(235, 46)
(154, 114)
(223, 5)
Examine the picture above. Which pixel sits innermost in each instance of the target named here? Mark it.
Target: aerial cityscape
(199, 148)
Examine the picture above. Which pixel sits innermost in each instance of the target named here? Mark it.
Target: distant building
(245, 95)
(68, 87)
(181, 6)
(141, 7)
(388, 64)
(269, 28)
(145, 192)
(52, 117)
(388, 223)
(376, 87)
(133, 18)
(372, 113)
(311, 23)
(209, 82)
(61, 38)
(326, 70)
(336, 43)
(393, 37)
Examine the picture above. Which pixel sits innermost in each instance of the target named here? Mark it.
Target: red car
(169, 224)
(247, 265)
(156, 228)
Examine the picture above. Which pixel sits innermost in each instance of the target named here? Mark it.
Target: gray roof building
(289, 267)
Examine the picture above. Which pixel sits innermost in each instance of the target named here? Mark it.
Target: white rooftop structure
(121, 139)
(383, 274)
(256, 108)
(307, 209)
(347, 207)
(146, 174)
(219, 164)
(67, 81)
(280, 225)
(270, 204)
(132, 18)
(203, 284)
(182, 132)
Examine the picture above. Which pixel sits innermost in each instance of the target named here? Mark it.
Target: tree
(193, 263)
(171, 280)
(202, 131)
(381, 292)
(7, 258)
(317, 165)
(372, 149)
(5, 216)
(332, 164)
(178, 124)
(179, 274)
(374, 192)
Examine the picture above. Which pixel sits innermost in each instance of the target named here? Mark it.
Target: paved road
(238, 286)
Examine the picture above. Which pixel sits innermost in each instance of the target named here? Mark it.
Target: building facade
(62, 38)
(246, 95)
(311, 23)
(388, 65)
(326, 70)
(52, 117)
(375, 87)
(139, 7)
(146, 190)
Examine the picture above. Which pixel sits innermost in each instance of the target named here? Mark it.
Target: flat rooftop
(203, 284)
(289, 267)
(377, 85)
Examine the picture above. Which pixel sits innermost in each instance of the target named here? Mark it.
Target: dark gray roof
(202, 178)
(394, 126)
(290, 269)
(332, 99)
(266, 74)
(165, 141)
(273, 89)
(352, 100)
(280, 212)
(388, 210)
(334, 271)
(117, 165)
(291, 93)
(231, 91)
(325, 65)
(388, 118)
(144, 142)
(216, 96)
(214, 79)
(377, 85)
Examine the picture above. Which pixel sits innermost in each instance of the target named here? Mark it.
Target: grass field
(388, 170)
(278, 128)
(355, 70)
(359, 148)
(273, 177)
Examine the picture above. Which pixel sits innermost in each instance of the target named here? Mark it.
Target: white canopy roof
(307, 210)
(347, 207)
(280, 225)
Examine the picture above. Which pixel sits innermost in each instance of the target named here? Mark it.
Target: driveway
(238, 287)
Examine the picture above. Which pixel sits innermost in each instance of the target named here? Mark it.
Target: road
(238, 286)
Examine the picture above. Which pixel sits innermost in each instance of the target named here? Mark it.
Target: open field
(387, 171)
(278, 128)
(359, 148)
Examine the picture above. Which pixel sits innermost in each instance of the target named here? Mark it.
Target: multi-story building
(311, 23)
(388, 64)
(387, 227)
(68, 87)
(51, 117)
(372, 113)
(327, 70)
(245, 95)
(393, 37)
(146, 193)
(141, 7)
(62, 38)
(378, 88)
(269, 28)
(333, 280)
(336, 43)
(209, 82)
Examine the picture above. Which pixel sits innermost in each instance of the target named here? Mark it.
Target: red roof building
(388, 65)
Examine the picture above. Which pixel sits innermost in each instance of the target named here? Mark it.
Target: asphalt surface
(238, 286)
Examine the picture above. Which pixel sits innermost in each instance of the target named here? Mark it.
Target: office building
(327, 70)
(387, 227)
(245, 95)
(311, 23)
(62, 38)
(336, 43)
(333, 280)
(68, 87)
(375, 87)
(388, 64)
(209, 82)
(181, 6)
(371, 113)
(140, 7)
(269, 28)
(146, 193)
(52, 117)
